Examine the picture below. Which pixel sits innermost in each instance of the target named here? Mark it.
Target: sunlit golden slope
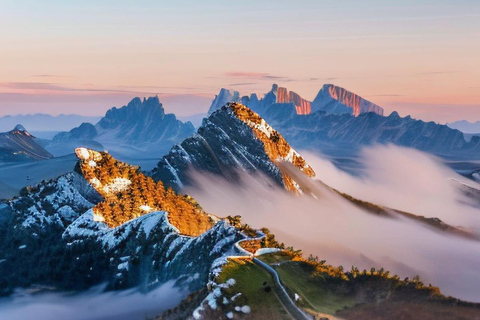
(276, 147)
(129, 194)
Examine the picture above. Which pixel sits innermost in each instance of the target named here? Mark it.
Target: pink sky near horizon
(418, 58)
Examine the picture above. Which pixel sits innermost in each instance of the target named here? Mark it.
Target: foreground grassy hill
(322, 291)
(367, 294)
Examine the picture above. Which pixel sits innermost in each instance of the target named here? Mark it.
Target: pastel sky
(83, 57)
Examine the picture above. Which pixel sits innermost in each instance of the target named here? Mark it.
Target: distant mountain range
(330, 99)
(466, 126)
(18, 145)
(45, 122)
(338, 121)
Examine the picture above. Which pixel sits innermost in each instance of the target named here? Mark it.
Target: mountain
(66, 142)
(77, 236)
(333, 99)
(316, 129)
(330, 99)
(233, 139)
(18, 145)
(143, 122)
(339, 123)
(128, 132)
(466, 126)
(107, 223)
(45, 122)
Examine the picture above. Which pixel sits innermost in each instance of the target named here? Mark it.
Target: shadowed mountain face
(127, 131)
(311, 131)
(143, 122)
(233, 138)
(19, 145)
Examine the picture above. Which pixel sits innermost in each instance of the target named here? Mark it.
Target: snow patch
(82, 153)
(118, 185)
(95, 182)
(261, 251)
(98, 217)
(123, 266)
(145, 208)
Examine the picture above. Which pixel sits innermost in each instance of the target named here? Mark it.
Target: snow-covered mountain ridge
(233, 139)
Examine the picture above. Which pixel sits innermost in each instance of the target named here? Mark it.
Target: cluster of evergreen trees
(142, 195)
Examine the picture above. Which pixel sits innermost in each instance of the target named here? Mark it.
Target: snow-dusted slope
(232, 139)
(52, 226)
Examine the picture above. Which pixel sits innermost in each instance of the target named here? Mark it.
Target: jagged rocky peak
(333, 99)
(330, 99)
(222, 98)
(129, 194)
(139, 125)
(275, 95)
(135, 109)
(232, 140)
(302, 106)
(276, 147)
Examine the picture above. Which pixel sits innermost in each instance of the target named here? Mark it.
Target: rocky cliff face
(143, 122)
(333, 99)
(19, 145)
(232, 139)
(302, 106)
(140, 125)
